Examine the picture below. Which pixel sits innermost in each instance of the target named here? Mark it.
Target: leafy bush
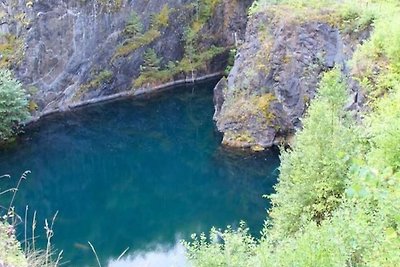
(13, 104)
(136, 37)
(207, 8)
(136, 42)
(151, 62)
(376, 63)
(384, 132)
(134, 25)
(158, 74)
(312, 175)
(162, 19)
(99, 79)
(338, 198)
(230, 248)
(11, 50)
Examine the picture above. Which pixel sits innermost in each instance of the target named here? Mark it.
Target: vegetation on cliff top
(338, 196)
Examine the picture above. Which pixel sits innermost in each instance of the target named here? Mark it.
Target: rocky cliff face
(68, 51)
(276, 73)
(71, 51)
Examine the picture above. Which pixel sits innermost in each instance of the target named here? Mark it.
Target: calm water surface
(142, 174)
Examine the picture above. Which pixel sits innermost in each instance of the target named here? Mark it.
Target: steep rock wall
(276, 74)
(68, 51)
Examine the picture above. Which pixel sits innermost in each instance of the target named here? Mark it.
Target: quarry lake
(139, 174)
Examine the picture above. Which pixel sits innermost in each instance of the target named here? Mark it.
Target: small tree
(151, 62)
(162, 19)
(313, 174)
(13, 104)
(134, 25)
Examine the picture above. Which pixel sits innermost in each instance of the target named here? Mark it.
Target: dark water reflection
(140, 174)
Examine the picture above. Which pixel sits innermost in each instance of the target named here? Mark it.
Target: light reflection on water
(166, 256)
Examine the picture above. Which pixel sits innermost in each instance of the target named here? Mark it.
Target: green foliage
(263, 104)
(134, 26)
(206, 9)
(190, 39)
(136, 37)
(195, 57)
(13, 104)
(376, 64)
(11, 51)
(384, 132)
(162, 19)
(10, 249)
(338, 198)
(159, 75)
(311, 185)
(230, 248)
(136, 42)
(231, 61)
(338, 195)
(149, 70)
(104, 76)
(11, 252)
(312, 189)
(150, 61)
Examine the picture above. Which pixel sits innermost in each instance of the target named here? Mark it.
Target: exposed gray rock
(275, 76)
(219, 96)
(67, 43)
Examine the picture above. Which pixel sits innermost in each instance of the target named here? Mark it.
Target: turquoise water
(141, 173)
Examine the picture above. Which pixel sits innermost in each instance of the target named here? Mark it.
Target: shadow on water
(138, 173)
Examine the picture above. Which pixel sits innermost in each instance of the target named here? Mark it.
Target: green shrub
(151, 62)
(231, 61)
(162, 19)
(136, 42)
(10, 248)
(134, 26)
(11, 50)
(229, 248)
(136, 37)
(153, 73)
(313, 174)
(206, 9)
(376, 63)
(384, 132)
(338, 198)
(13, 104)
(101, 78)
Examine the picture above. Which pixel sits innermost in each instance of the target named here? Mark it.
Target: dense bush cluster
(338, 198)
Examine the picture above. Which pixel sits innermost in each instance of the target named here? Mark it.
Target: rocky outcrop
(70, 50)
(276, 73)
